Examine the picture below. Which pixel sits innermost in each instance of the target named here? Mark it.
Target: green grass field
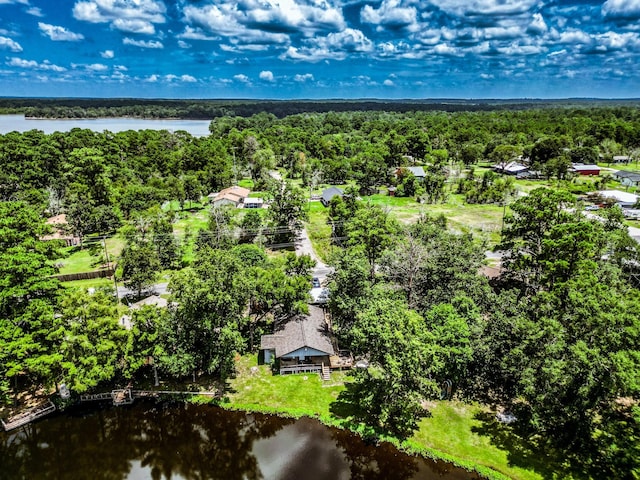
(82, 260)
(466, 433)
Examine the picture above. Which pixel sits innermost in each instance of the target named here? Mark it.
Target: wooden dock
(28, 416)
(126, 396)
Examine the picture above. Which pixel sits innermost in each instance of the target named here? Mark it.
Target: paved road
(304, 247)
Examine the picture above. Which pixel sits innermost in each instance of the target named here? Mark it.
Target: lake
(185, 441)
(17, 123)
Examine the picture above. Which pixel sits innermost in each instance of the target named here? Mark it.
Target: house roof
(618, 196)
(152, 300)
(58, 220)
(416, 171)
(331, 192)
(233, 193)
(511, 167)
(625, 174)
(299, 332)
(253, 200)
(582, 168)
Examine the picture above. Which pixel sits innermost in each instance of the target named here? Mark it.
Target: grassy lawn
(318, 230)
(81, 260)
(466, 433)
(93, 283)
(296, 395)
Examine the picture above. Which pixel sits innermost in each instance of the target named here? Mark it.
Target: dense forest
(209, 109)
(554, 338)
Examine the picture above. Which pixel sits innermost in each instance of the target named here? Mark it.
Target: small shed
(621, 159)
(253, 202)
(329, 193)
(581, 169)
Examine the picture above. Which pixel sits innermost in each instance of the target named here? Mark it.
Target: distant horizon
(329, 99)
(319, 50)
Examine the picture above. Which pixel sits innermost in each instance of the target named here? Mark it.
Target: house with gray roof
(302, 339)
(627, 179)
(329, 193)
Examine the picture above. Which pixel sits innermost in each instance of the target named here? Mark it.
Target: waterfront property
(304, 344)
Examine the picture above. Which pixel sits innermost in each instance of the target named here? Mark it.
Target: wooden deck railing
(29, 416)
(301, 369)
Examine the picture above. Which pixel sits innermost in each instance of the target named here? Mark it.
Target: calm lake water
(182, 441)
(17, 123)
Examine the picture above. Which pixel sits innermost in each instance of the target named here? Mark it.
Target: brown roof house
(233, 196)
(303, 340)
(60, 227)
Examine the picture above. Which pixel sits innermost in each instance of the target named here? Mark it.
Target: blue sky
(320, 48)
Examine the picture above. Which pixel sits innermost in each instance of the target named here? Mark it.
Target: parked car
(315, 282)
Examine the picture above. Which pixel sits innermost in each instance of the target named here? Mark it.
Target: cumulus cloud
(191, 33)
(467, 8)
(32, 64)
(59, 34)
(10, 44)
(183, 44)
(35, 11)
(268, 22)
(391, 15)
(134, 26)
(151, 78)
(142, 43)
(97, 67)
(621, 9)
(126, 15)
(107, 54)
(388, 83)
(334, 46)
(304, 77)
(537, 26)
(266, 75)
(241, 78)
(188, 78)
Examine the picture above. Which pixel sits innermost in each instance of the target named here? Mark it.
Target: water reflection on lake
(200, 442)
(17, 123)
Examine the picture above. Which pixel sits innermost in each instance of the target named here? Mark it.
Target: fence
(70, 277)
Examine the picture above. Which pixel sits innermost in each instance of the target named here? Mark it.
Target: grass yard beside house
(454, 431)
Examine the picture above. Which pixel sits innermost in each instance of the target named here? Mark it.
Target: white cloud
(445, 49)
(486, 76)
(35, 11)
(241, 78)
(120, 68)
(334, 46)
(107, 54)
(9, 44)
(97, 67)
(191, 33)
(59, 34)
(183, 78)
(142, 43)
(621, 8)
(266, 22)
(126, 15)
(9, 2)
(303, 77)
(266, 75)
(391, 14)
(151, 78)
(183, 44)
(188, 78)
(537, 25)
(466, 8)
(134, 26)
(388, 83)
(32, 64)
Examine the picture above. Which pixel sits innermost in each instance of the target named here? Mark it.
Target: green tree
(27, 296)
(140, 266)
(287, 211)
(402, 356)
(91, 342)
(374, 230)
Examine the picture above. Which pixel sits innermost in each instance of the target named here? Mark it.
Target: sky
(315, 49)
